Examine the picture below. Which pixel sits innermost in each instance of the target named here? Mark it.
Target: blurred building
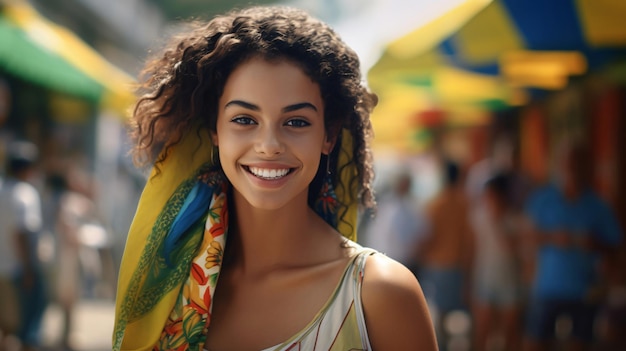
(122, 31)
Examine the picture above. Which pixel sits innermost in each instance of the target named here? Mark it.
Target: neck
(265, 240)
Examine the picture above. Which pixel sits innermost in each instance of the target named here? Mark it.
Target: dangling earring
(326, 204)
(328, 166)
(214, 152)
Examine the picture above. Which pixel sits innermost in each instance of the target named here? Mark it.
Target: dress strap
(359, 274)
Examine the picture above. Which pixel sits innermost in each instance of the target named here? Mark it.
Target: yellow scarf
(166, 281)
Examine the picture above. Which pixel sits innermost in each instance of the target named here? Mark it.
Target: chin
(273, 201)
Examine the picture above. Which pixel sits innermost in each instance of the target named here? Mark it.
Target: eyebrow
(253, 107)
(300, 106)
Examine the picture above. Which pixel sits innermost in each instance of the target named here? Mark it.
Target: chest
(257, 314)
(558, 214)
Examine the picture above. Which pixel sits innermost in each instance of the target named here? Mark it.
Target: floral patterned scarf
(175, 247)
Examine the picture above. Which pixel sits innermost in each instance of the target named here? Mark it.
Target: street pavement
(91, 330)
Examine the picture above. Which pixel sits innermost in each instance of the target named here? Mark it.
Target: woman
(497, 290)
(257, 123)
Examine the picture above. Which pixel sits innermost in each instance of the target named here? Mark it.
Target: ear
(329, 144)
(214, 139)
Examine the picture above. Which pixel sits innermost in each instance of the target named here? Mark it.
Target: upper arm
(396, 313)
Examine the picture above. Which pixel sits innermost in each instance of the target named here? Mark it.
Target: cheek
(222, 138)
(226, 152)
(228, 162)
(315, 163)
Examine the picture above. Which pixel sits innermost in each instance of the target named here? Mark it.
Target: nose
(269, 142)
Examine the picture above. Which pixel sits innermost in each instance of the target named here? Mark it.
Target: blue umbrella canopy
(592, 28)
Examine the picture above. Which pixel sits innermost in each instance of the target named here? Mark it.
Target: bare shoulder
(396, 313)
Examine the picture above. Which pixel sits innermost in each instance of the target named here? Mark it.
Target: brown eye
(243, 120)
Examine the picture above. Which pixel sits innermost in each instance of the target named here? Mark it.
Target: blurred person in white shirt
(20, 224)
(398, 226)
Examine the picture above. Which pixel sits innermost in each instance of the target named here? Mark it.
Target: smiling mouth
(268, 173)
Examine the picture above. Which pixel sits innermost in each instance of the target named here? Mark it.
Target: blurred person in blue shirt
(573, 229)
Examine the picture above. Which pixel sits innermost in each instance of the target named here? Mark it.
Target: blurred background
(469, 91)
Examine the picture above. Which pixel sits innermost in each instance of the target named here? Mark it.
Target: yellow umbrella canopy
(420, 91)
(405, 114)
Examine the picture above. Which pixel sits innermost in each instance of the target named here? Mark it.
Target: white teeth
(269, 173)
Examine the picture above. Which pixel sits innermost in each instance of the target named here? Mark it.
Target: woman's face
(270, 132)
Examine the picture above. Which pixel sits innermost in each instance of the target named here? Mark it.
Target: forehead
(277, 82)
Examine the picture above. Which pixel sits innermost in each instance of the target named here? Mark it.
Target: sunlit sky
(367, 25)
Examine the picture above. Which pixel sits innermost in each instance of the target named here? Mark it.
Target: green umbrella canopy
(20, 56)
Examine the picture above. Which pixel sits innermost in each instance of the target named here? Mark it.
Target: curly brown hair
(181, 87)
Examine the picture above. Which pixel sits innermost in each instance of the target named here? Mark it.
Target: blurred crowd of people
(53, 247)
(531, 266)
